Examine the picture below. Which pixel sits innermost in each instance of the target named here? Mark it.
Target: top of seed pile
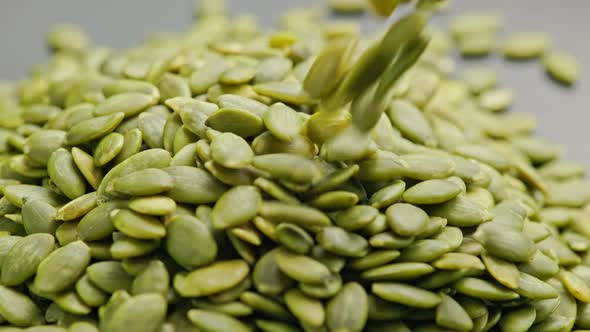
(308, 178)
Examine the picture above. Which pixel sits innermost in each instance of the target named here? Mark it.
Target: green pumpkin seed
(64, 173)
(494, 237)
(23, 258)
(225, 214)
(231, 151)
(145, 312)
(308, 310)
(294, 238)
(397, 272)
(77, 207)
(356, 217)
(388, 195)
(18, 309)
(210, 321)
(108, 148)
(211, 279)
(349, 309)
(505, 272)
(301, 268)
(188, 232)
(154, 278)
(296, 214)
(406, 220)
(575, 285)
(205, 77)
(38, 217)
(90, 293)
(62, 267)
(287, 92)
(427, 167)
(194, 185)
(411, 122)
(39, 146)
(518, 320)
(119, 86)
(240, 122)
(342, 243)
(484, 290)
(461, 211)
(149, 181)
(451, 315)
(128, 103)
(153, 205)
(97, 224)
(268, 277)
(136, 225)
(431, 192)
(562, 66)
(94, 128)
(109, 276)
(85, 164)
(405, 294)
(457, 261)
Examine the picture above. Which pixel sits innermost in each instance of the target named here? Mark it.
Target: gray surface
(564, 114)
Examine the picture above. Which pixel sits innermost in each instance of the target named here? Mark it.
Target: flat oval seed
(461, 211)
(280, 165)
(296, 214)
(152, 158)
(411, 122)
(505, 272)
(398, 272)
(211, 321)
(348, 310)
(108, 148)
(451, 314)
(562, 66)
(153, 205)
(97, 224)
(94, 128)
(140, 313)
(237, 75)
(62, 267)
(119, 86)
(388, 195)
(240, 122)
(267, 277)
(282, 121)
(294, 238)
(484, 154)
(211, 279)
(154, 278)
(518, 320)
(406, 220)
(485, 290)
(575, 285)
(109, 276)
(18, 309)
(64, 173)
(128, 103)
(335, 200)
(38, 217)
(457, 261)
(301, 268)
(505, 242)
(90, 293)
(306, 309)
(236, 207)
(77, 207)
(374, 259)
(342, 243)
(427, 166)
(432, 192)
(39, 145)
(496, 100)
(138, 226)
(533, 288)
(194, 185)
(146, 182)
(190, 242)
(231, 151)
(356, 217)
(24, 257)
(405, 294)
(85, 164)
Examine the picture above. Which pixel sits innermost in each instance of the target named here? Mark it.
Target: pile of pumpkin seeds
(307, 178)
